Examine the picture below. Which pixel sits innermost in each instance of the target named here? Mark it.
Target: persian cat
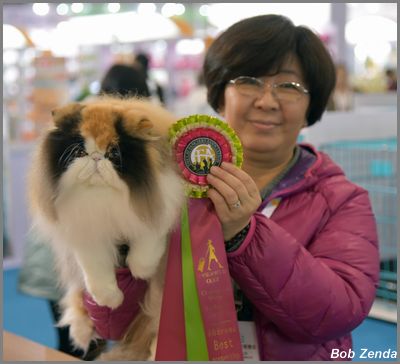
(103, 178)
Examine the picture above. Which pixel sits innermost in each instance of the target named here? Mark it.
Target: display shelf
(17, 70)
(50, 89)
(17, 161)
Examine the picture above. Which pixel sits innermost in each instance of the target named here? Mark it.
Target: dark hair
(124, 80)
(143, 61)
(260, 45)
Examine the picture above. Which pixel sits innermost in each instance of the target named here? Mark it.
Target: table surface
(17, 348)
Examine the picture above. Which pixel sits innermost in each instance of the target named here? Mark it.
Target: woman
(301, 239)
(309, 271)
(156, 92)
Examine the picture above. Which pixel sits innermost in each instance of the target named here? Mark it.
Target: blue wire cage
(372, 164)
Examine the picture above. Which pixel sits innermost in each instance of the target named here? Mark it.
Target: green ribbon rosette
(200, 142)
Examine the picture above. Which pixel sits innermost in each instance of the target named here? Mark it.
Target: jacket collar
(311, 167)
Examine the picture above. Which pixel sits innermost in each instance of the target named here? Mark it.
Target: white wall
(355, 125)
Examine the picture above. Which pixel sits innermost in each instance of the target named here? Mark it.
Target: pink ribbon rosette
(198, 318)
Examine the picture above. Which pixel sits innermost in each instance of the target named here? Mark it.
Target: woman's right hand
(235, 197)
(112, 324)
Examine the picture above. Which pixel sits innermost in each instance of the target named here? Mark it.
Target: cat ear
(70, 113)
(139, 124)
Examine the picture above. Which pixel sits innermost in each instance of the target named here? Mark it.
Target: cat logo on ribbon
(212, 258)
(200, 142)
(201, 154)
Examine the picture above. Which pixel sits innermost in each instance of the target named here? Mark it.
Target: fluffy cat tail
(136, 344)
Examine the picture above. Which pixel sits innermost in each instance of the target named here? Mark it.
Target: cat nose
(96, 156)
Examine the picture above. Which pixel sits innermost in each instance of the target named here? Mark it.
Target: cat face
(100, 145)
(107, 143)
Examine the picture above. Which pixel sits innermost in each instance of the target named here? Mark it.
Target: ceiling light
(204, 9)
(179, 9)
(41, 9)
(168, 10)
(77, 8)
(62, 9)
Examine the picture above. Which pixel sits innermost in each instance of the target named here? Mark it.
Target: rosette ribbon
(203, 131)
(198, 318)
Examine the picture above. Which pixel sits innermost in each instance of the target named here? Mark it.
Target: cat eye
(113, 154)
(80, 153)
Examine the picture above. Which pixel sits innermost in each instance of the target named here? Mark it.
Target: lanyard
(271, 206)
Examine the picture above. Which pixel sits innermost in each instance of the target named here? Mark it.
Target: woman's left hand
(235, 196)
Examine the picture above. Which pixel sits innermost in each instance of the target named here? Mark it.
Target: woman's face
(265, 124)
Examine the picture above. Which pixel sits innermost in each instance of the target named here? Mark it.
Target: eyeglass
(255, 87)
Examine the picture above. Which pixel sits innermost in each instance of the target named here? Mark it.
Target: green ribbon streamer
(196, 344)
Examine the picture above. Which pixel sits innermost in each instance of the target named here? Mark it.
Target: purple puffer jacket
(311, 269)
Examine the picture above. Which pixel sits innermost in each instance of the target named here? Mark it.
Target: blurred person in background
(124, 80)
(195, 102)
(37, 275)
(300, 238)
(391, 79)
(342, 98)
(156, 91)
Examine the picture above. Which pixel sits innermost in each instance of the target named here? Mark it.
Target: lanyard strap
(269, 209)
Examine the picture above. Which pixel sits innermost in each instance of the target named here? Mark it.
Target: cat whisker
(64, 157)
(68, 149)
(64, 160)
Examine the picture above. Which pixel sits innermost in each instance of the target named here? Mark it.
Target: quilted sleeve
(318, 291)
(112, 324)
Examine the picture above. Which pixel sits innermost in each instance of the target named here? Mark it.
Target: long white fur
(94, 211)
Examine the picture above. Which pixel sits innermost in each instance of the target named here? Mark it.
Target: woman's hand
(235, 196)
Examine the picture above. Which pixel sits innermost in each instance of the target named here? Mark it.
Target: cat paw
(81, 328)
(141, 269)
(110, 296)
(82, 333)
